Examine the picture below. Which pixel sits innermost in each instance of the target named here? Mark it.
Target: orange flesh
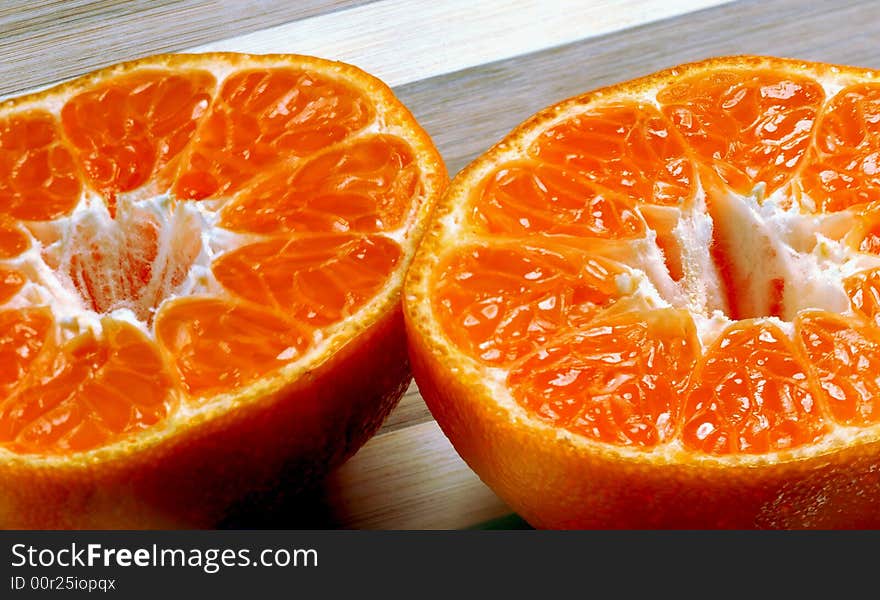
(87, 392)
(627, 147)
(217, 345)
(504, 303)
(863, 290)
(279, 152)
(845, 166)
(10, 283)
(870, 235)
(837, 348)
(128, 130)
(752, 395)
(746, 127)
(365, 186)
(13, 241)
(23, 335)
(315, 281)
(523, 198)
(38, 177)
(630, 371)
(261, 117)
(614, 371)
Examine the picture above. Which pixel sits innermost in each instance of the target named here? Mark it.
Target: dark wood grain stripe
(42, 41)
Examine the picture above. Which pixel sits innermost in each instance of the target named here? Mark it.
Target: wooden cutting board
(469, 71)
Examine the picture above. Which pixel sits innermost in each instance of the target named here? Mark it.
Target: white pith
(62, 240)
(57, 243)
(812, 258)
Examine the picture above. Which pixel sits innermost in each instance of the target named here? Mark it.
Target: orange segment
(22, 335)
(871, 242)
(11, 281)
(616, 381)
(500, 304)
(748, 126)
(13, 240)
(629, 148)
(317, 281)
(38, 178)
(863, 290)
(128, 129)
(844, 167)
(751, 395)
(846, 357)
(217, 345)
(87, 392)
(525, 198)
(863, 228)
(262, 116)
(366, 186)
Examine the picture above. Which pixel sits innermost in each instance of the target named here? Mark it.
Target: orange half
(656, 304)
(201, 259)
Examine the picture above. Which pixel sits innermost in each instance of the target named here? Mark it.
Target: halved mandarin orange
(201, 259)
(657, 304)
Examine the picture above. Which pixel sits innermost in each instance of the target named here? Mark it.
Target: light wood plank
(401, 41)
(409, 479)
(410, 411)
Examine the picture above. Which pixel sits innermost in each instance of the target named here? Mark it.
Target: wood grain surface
(409, 476)
(45, 41)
